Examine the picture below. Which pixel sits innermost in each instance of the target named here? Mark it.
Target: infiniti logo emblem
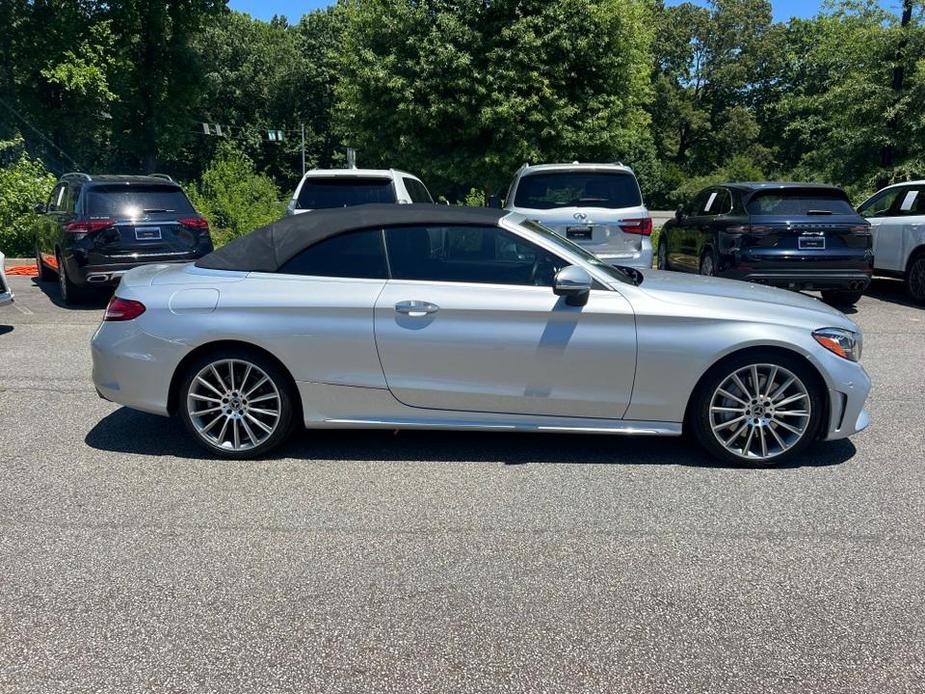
(581, 216)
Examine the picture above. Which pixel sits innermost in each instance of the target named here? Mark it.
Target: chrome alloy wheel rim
(760, 411)
(234, 405)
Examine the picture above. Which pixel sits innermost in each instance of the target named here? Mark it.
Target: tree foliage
(23, 181)
(233, 196)
(462, 92)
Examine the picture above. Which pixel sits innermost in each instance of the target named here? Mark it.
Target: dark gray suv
(95, 228)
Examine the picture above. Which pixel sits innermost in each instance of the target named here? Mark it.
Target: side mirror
(574, 283)
(679, 213)
(494, 202)
(39, 208)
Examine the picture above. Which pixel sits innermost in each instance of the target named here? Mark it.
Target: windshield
(136, 200)
(622, 274)
(545, 191)
(800, 202)
(325, 193)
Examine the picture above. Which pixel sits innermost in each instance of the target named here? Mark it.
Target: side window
(699, 202)
(416, 190)
(722, 203)
(356, 254)
(70, 199)
(56, 199)
(714, 203)
(884, 204)
(484, 255)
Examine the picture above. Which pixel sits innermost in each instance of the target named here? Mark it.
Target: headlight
(844, 343)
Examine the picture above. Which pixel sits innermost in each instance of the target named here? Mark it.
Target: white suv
(326, 188)
(598, 206)
(897, 219)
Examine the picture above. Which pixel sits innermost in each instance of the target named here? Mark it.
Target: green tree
(233, 196)
(464, 92)
(23, 182)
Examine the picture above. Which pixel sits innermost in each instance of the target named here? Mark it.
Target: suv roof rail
(77, 174)
(162, 175)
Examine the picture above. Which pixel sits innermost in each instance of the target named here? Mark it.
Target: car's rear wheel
(838, 297)
(915, 279)
(758, 408)
(662, 262)
(44, 273)
(237, 403)
(71, 293)
(708, 263)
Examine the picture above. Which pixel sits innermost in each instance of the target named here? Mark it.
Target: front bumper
(849, 386)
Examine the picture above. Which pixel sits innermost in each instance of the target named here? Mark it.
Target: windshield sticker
(909, 200)
(710, 202)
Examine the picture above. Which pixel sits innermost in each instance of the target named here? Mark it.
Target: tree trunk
(887, 152)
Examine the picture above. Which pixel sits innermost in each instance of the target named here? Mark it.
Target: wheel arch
(719, 363)
(173, 393)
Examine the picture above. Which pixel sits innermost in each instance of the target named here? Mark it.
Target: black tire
(915, 278)
(708, 263)
(840, 297)
(45, 274)
(662, 257)
(699, 415)
(71, 293)
(282, 383)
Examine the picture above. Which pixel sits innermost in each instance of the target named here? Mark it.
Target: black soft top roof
(269, 248)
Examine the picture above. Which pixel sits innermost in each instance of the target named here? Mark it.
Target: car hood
(713, 294)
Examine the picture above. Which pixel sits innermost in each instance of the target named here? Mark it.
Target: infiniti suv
(598, 206)
(95, 228)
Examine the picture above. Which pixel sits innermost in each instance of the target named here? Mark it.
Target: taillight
(123, 309)
(637, 226)
(87, 226)
(754, 229)
(197, 223)
(860, 229)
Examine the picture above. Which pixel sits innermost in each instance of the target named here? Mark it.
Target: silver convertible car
(427, 317)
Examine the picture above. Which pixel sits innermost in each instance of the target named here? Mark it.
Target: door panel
(506, 349)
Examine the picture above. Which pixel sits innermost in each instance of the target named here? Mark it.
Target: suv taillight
(123, 309)
(197, 223)
(87, 226)
(637, 226)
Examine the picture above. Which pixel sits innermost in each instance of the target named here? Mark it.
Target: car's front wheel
(237, 403)
(758, 408)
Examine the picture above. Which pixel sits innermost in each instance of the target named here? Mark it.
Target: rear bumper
(849, 280)
(640, 259)
(108, 275)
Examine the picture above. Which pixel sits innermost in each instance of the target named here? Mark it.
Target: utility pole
(303, 150)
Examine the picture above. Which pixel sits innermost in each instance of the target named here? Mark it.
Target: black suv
(95, 228)
(792, 235)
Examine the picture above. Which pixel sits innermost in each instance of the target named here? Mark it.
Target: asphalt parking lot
(424, 562)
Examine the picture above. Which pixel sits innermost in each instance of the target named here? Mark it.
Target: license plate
(579, 233)
(148, 233)
(811, 243)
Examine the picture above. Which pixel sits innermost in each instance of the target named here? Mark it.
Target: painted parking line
(26, 311)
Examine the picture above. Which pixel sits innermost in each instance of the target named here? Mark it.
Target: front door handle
(416, 309)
